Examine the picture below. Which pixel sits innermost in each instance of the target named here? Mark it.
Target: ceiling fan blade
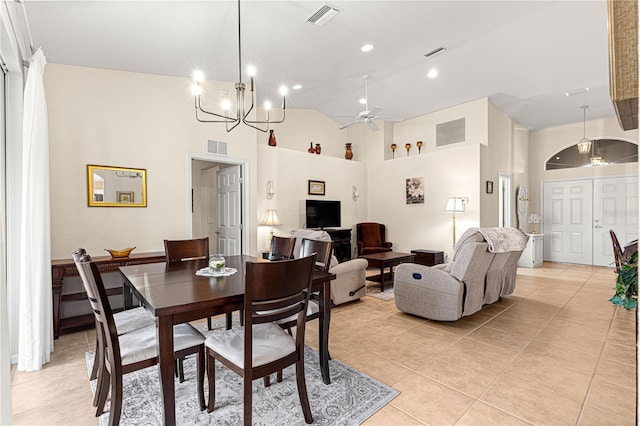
(375, 111)
(350, 124)
(372, 126)
(344, 115)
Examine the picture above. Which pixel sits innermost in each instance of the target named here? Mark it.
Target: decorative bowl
(120, 253)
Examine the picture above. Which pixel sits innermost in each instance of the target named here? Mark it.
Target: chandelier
(584, 144)
(242, 112)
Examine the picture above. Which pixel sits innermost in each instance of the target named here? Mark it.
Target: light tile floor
(556, 352)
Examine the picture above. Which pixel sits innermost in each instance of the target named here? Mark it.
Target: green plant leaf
(616, 300)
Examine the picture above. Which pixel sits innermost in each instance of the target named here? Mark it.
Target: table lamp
(271, 219)
(455, 205)
(535, 219)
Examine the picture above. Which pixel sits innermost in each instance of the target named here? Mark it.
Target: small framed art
(316, 187)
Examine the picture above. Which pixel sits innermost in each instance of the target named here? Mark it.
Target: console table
(341, 243)
(66, 268)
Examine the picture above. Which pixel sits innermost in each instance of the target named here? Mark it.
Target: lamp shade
(271, 218)
(534, 218)
(454, 204)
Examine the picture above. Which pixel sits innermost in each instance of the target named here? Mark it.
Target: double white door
(578, 214)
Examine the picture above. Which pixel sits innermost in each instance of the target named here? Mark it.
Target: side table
(428, 257)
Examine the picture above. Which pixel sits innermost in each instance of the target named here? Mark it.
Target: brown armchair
(371, 238)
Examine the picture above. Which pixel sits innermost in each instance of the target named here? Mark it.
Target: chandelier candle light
(242, 112)
(584, 144)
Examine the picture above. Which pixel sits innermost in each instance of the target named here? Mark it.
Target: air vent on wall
(450, 132)
(216, 147)
(323, 15)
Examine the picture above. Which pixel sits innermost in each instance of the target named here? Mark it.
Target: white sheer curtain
(36, 320)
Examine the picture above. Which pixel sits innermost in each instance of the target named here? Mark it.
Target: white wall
(115, 118)
(448, 171)
(303, 126)
(506, 152)
(290, 170)
(546, 142)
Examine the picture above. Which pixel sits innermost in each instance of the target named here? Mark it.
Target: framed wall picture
(489, 187)
(415, 190)
(316, 187)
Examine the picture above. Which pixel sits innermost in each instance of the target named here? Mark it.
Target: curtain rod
(26, 21)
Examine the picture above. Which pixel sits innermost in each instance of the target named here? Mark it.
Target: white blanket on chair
(502, 240)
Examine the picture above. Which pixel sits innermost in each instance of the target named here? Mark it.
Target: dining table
(174, 294)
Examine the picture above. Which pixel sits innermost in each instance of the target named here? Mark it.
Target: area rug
(373, 290)
(350, 399)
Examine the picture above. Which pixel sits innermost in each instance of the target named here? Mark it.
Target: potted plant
(627, 283)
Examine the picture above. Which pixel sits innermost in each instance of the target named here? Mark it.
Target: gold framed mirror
(116, 186)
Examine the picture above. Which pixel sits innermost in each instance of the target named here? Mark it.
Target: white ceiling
(522, 54)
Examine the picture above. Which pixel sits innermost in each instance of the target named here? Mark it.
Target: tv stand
(341, 243)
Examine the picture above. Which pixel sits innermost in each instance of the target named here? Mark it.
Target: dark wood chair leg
(279, 376)
(181, 369)
(248, 398)
(98, 355)
(211, 377)
(116, 400)
(302, 391)
(267, 380)
(229, 318)
(200, 373)
(241, 313)
(208, 323)
(104, 380)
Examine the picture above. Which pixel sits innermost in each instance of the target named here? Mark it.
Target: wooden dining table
(175, 294)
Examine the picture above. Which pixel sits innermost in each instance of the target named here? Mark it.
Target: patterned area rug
(373, 290)
(350, 399)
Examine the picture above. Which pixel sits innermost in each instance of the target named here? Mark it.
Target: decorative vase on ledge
(318, 149)
(348, 153)
(311, 149)
(272, 138)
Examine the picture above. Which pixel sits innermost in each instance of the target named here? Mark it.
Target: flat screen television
(323, 214)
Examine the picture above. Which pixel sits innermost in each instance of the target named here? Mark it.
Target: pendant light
(584, 144)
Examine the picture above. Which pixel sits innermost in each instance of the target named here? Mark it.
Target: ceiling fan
(367, 116)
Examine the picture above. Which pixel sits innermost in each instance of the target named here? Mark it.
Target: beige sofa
(350, 279)
(482, 270)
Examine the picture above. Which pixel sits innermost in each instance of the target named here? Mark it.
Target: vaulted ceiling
(523, 55)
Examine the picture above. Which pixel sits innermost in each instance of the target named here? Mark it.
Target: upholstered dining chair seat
(312, 309)
(270, 343)
(133, 319)
(140, 345)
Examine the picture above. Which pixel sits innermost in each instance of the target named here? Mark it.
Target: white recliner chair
(350, 281)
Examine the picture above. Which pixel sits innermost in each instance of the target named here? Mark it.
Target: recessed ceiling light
(367, 48)
(433, 73)
(363, 101)
(297, 87)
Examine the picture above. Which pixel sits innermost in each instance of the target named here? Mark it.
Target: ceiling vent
(323, 15)
(435, 52)
(216, 147)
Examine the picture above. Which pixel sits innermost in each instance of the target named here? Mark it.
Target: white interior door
(229, 185)
(615, 206)
(567, 220)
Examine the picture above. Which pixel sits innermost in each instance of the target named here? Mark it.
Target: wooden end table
(384, 260)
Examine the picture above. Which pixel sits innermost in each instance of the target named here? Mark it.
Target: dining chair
(617, 250)
(281, 248)
(273, 290)
(132, 351)
(179, 250)
(125, 321)
(322, 250)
